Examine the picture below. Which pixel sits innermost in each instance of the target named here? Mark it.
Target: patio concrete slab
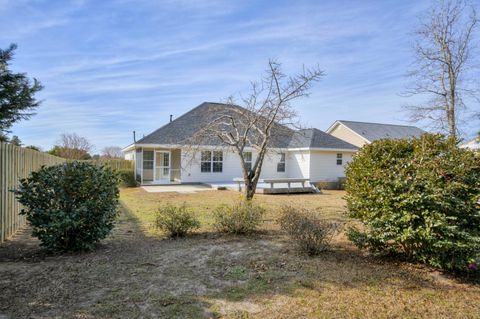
(182, 189)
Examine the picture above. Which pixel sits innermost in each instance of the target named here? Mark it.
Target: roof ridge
(165, 125)
(322, 135)
(331, 136)
(376, 123)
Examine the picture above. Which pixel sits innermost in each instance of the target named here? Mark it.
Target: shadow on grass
(286, 272)
(133, 274)
(24, 247)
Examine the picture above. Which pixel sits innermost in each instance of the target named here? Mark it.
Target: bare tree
(112, 152)
(72, 146)
(265, 118)
(444, 64)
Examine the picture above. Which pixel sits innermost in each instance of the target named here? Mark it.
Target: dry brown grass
(138, 273)
(141, 204)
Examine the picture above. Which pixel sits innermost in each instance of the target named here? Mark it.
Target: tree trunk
(249, 192)
(250, 188)
(452, 127)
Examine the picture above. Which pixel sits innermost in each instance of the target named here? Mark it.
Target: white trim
(135, 165)
(322, 149)
(332, 127)
(141, 169)
(246, 149)
(128, 148)
(211, 161)
(169, 146)
(284, 162)
(336, 123)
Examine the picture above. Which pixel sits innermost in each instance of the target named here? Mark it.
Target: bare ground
(134, 274)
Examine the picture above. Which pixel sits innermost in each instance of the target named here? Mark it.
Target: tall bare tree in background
(265, 114)
(444, 64)
(72, 146)
(112, 152)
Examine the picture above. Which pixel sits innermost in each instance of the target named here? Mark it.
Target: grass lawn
(138, 273)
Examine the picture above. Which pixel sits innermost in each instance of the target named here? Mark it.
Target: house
(472, 144)
(361, 133)
(164, 156)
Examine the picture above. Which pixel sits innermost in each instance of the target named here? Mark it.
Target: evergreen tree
(33, 147)
(15, 140)
(17, 92)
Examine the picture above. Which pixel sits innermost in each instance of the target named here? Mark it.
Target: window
(247, 156)
(217, 162)
(211, 161)
(147, 159)
(281, 163)
(206, 162)
(339, 158)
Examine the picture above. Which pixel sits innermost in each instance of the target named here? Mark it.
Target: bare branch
(444, 64)
(265, 118)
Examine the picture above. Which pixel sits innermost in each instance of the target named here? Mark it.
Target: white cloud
(117, 66)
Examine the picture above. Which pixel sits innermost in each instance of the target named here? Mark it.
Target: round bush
(176, 221)
(240, 218)
(417, 197)
(127, 178)
(70, 206)
(311, 234)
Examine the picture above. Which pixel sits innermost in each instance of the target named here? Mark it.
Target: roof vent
(171, 116)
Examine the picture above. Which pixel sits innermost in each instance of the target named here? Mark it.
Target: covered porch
(158, 166)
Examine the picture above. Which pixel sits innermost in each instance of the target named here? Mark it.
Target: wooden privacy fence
(115, 163)
(17, 163)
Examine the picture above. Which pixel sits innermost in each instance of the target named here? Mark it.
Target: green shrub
(127, 178)
(70, 206)
(176, 221)
(240, 218)
(311, 234)
(419, 198)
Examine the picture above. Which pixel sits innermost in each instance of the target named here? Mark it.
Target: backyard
(138, 272)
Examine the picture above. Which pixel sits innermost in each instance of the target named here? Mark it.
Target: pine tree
(15, 140)
(17, 92)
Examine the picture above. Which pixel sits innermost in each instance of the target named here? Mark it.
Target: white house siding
(130, 155)
(323, 165)
(298, 164)
(191, 172)
(269, 168)
(344, 133)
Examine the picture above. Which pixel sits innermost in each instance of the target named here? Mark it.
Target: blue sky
(111, 67)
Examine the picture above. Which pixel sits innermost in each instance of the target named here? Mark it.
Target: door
(162, 166)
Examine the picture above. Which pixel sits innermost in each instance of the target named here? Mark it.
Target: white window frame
(339, 158)
(282, 160)
(248, 162)
(152, 161)
(217, 161)
(211, 161)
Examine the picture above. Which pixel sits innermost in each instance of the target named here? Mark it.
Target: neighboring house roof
(180, 130)
(315, 138)
(375, 131)
(472, 144)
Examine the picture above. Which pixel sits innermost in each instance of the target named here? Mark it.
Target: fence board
(17, 163)
(114, 163)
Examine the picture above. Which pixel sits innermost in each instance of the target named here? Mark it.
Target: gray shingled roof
(315, 138)
(376, 131)
(180, 130)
